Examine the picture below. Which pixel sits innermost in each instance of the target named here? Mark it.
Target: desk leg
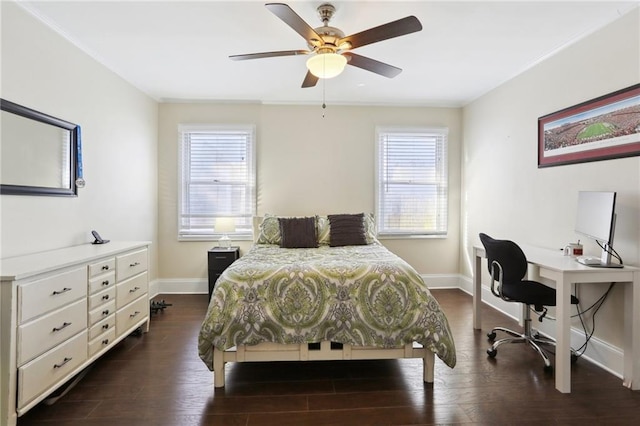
(533, 273)
(631, 372)
(477, 290)
(563, 336)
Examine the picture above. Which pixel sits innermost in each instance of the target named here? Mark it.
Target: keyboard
(589, 261)
(596, 262)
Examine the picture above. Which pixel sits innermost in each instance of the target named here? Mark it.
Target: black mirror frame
(72, 190)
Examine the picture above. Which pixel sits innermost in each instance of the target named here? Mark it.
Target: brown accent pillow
(346, 230)
(298, 232)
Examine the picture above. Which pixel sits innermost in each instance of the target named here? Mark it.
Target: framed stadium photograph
(599, 129)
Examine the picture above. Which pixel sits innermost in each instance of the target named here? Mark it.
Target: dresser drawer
(101, 298)
(102, 312)
(46, 370)
(100, 327)
(101, 342)
(101, 267)
(132, 314)
(47, 294)
(38, 336)
(129, 290)
(102, 282)
(131, 264)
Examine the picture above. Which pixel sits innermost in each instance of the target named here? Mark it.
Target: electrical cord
(596, 305)
(582, 349)
(600, 299)
(611, 251)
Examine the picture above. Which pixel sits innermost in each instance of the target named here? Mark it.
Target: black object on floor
(157, 306)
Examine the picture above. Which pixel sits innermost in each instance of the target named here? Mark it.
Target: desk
(564, 271)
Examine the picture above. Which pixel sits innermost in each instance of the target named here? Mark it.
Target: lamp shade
(225, 225)
(326, 65)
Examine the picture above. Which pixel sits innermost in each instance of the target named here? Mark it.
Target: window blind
(217, 179)
(412, 192)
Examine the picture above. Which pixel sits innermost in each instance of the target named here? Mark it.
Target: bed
(322, 302)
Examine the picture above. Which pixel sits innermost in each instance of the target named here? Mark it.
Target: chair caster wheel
(548, 368)
(491, 336)
(492, 352)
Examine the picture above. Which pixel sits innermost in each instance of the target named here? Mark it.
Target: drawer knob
(134, 264)
(105, 282)
(105, 297)
(105, 267)
(64, 361)
(134, 314)
(104, 327)
(64, 290)
(105, 312)
(105, 342)
(63, 326)
(133, 290)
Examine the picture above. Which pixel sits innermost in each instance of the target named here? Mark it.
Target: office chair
(508, 266)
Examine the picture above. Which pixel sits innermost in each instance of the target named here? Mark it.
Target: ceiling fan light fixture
(326, 65)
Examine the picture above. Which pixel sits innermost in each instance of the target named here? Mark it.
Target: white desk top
(557, 261)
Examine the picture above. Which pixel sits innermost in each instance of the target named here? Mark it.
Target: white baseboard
(183, 286)
(599, 352)
(153, 289)
(441, 281)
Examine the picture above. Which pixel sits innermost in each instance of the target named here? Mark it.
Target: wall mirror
(37, 152)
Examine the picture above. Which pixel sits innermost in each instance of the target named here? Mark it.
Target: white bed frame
(301, 352)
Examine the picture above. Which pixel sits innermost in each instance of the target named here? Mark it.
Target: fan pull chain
(324, 92)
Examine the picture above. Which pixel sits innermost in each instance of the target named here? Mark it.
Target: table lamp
(224, 226)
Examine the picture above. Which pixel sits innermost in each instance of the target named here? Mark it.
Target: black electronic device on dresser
(219, 259)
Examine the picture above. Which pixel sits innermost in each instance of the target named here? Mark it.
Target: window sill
(214, 238)
(411, 237)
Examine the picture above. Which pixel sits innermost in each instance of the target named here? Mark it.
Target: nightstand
(219, 258)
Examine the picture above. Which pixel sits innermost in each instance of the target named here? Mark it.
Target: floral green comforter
(357, 295)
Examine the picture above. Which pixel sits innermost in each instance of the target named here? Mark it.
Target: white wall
(306, 165)
(507, 196)
(45, 72)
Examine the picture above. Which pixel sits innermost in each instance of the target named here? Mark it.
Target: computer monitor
(596, 218)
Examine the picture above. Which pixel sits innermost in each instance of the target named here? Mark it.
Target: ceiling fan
(330, 48)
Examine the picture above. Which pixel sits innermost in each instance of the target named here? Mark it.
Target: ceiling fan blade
(268, 54)
(372, 65)
(310, 80)
(298, 24)
(398, 28)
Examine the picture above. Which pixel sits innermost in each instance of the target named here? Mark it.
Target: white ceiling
(178, 50)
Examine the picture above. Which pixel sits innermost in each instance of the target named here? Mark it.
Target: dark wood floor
(158, 379)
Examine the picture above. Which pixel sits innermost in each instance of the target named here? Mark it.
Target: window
(411, 185)
(217, 180)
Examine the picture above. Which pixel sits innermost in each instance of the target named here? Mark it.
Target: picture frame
(603, 128)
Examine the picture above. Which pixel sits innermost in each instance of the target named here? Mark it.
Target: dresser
(63, 309)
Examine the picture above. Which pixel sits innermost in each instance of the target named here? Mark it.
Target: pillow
(322, 225)
(269, 231)
(298, 232)
(370, 228)
(346, 230)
